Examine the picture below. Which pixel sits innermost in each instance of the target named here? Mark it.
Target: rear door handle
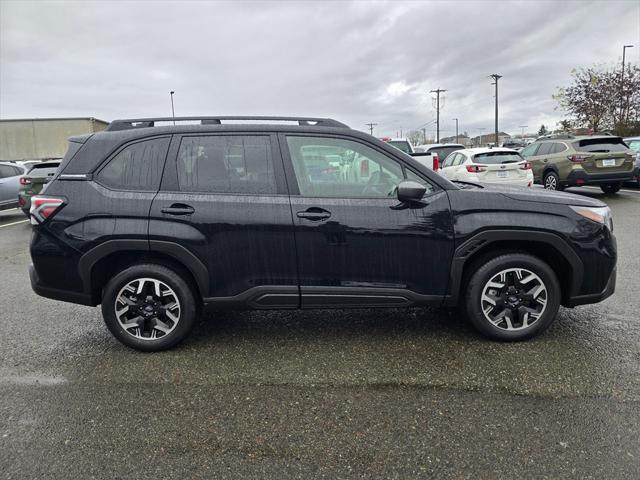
(314, 214)
(178, 209)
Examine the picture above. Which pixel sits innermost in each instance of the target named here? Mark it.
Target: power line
(437, 91)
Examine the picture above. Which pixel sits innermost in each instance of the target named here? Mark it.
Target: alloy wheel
(514, 299)
(147, 309)
(550, 183)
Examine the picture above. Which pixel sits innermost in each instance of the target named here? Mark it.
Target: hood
(541, 195)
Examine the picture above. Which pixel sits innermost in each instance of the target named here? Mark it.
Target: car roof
(631, 138)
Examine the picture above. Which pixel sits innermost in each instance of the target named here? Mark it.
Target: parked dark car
(153, 222)
(32, 182)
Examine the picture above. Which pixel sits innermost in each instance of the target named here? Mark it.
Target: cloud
(356, 61)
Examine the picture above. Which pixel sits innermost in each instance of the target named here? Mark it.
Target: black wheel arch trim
(171, 249)
(464, 252)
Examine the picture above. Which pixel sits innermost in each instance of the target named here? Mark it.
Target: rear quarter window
(138, 166)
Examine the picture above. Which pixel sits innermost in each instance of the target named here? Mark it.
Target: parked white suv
(488, 165)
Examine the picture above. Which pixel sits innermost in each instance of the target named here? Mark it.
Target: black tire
(551, 181)
(487, 271)
(26, 212)
(610, 188)
(188, 306)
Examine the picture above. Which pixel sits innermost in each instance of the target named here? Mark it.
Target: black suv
(153, 222)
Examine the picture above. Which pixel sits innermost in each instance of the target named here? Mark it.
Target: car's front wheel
(512, 297)
(610, 188)
(149, 307)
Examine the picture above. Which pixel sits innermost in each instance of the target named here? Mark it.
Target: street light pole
(523, 127)
(624, 51)
(496, 77)
(173, 112)
(456, 129)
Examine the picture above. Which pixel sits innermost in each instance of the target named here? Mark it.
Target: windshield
(603, 145)
(443, 152)
(495, 158)
(401, 145)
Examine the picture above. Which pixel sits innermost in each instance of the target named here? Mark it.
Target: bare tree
(599, 99)
(415, 137)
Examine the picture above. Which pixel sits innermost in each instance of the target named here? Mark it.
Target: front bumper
(609, 289)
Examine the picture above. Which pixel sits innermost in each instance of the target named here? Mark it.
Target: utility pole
(437, 91)
(424, 136)
(456, 129)
(496, 77)
(371, 125)
(624, 48)
(173, 112)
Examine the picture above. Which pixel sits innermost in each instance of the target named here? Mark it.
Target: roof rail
(132, 123)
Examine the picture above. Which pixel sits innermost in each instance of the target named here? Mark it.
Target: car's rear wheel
(551, 181)
(512, 297)
(149, 307)
(610, 188)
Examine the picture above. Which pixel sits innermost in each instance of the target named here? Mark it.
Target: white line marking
(14, 223)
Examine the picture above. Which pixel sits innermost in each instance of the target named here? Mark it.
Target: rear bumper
(580, 177)
(596, 297)
(56, 294)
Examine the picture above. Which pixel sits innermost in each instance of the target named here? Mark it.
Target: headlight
(597, 214)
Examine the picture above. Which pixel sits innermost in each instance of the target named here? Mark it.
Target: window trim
(101, 166)
(292, 180)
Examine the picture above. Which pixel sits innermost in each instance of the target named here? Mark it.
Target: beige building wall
(37, 139)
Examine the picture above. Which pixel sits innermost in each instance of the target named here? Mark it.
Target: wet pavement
(324, 394)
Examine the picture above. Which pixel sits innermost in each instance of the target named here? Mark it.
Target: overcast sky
(358, 61)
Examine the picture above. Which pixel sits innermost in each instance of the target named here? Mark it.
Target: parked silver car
(10, 174)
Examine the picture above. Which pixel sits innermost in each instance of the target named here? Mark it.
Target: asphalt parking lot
(323, 394)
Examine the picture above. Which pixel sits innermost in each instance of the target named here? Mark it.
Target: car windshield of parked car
(443, 152)
(43, 169)
(401, 145)
(496, 158)
(601, 145)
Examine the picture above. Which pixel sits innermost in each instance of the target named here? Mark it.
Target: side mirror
(409, 191)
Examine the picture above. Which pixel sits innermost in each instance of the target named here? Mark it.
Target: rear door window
(558, 147)
(545, 149)
(7, 171)
(138, 166)
(226, 164)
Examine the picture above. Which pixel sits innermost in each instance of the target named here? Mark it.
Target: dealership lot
(370, 393)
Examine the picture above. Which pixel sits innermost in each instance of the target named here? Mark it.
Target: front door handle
(314, 214)
(178, 209)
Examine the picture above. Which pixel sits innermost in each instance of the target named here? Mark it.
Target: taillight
(525, 166)
(25, 181)
(436, 162)
(578, 158)
(43, 208)
(476, 168)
